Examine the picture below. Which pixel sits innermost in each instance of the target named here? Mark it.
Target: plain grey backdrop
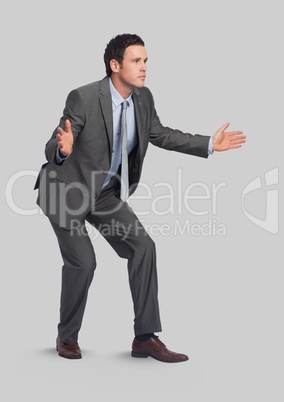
(221, 291)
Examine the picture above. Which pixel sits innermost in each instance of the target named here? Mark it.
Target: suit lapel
(139, 112)
(106, 106)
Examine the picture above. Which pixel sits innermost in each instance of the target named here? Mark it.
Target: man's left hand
(222, 140)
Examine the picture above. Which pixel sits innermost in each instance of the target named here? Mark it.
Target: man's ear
(114, 65)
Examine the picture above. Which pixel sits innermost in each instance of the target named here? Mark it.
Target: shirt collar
(116, 98)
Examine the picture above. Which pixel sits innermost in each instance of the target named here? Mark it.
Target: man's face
(132, 71)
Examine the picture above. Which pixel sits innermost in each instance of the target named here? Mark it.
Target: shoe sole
(145, 355)
(70, 357)
(137, 354)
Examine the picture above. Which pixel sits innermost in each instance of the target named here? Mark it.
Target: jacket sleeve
(176, 140)
(74, 111)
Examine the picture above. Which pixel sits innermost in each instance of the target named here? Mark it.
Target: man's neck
(124, 90)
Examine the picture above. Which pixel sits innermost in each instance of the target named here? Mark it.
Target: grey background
(221, 297)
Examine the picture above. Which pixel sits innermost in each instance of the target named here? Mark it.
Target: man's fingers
(232, 133)
(60, 131)
(59, 140)
(68, 126)
(237, 141)
(238, 137)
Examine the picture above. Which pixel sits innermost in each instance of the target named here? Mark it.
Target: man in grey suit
(85, 180)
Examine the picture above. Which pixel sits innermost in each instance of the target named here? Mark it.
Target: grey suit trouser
(80, 262)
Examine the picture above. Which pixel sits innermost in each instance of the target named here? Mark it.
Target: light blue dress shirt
(210, 152)
(117, 100)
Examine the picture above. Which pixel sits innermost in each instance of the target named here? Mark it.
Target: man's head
(116, 48)
(125, 58)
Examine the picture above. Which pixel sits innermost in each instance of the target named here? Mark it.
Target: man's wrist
(60, 157)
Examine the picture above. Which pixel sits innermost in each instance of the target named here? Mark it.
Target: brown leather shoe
(155, 348)
(68, 351)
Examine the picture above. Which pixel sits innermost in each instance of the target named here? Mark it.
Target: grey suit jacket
(67, 190)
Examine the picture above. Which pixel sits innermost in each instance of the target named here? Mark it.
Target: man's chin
(140, 84)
